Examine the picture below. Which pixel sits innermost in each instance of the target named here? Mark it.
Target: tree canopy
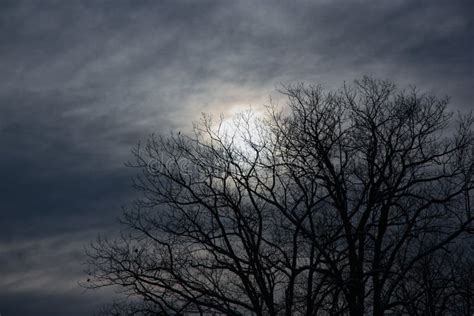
(342, 202)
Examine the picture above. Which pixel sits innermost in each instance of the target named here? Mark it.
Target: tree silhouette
(326, 206)
(440, 284)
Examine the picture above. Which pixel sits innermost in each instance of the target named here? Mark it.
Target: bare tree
(463, 276)
(440, 284)
(325, 206)
(429, 289)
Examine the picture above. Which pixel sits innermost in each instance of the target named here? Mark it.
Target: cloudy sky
(83, 81)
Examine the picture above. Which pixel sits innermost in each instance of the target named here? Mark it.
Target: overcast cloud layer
(83, 81)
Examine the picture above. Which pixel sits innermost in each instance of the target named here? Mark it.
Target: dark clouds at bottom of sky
(83, 81)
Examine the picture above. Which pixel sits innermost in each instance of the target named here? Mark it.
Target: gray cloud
(82, 82)
(41, 275)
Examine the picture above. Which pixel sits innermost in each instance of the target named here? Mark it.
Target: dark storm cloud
(83, 81)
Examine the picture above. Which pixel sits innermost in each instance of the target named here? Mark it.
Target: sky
(83, 81)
